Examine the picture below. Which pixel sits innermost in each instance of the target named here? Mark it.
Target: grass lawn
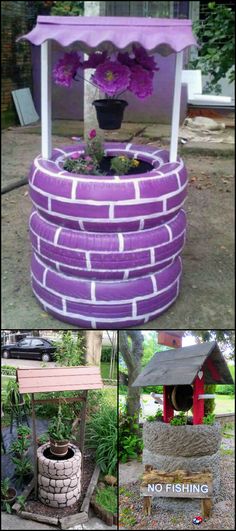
(224, 404)
(105, 369)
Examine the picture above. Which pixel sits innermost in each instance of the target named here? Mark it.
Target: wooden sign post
(176, 484)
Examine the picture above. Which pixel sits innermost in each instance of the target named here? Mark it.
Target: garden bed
(65, 517)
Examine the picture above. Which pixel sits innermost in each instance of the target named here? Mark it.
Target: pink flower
(111, 77)
(92, 134)
(88, 158)
(95, 59)
(141, 82)
(90, 167)
(75, 156)
(66, 68)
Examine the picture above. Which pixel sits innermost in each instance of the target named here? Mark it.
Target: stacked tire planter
(106, 250)
(59, 481)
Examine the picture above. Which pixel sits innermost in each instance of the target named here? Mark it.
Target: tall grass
(101, 435)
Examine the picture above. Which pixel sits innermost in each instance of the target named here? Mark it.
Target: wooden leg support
(206, 507)
(147, 505)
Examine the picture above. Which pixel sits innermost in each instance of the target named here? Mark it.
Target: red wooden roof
(43, 380)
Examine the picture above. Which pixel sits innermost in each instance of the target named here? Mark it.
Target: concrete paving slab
(13, 522)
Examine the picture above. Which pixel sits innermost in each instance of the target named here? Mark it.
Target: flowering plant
(113, 75)
(89, 161)
(121, 165)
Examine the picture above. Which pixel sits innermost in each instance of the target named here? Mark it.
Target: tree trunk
(93, 347)
(132, 355)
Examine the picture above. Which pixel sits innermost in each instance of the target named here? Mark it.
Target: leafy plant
(60, 427)
(101, 435)
(5, 485)
(20, 446)
(67, 8)
(24, 431)
(13, 396)
(179, 420)
(217, 38)
(209, 403)
(21, 500)
(42, 439)
(23, 467)
(209, 419)
(107, 498)
(130, 444)
(69, 351)
(106, 353)
(127, 519)
(152, 418)
(121, 165)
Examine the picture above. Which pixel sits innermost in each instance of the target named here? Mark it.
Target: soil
(36, 507)
(206, 297)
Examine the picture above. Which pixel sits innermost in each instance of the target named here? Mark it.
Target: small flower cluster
(113, 75)
(122, 164)
(86, 163)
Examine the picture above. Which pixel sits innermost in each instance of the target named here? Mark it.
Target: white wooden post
(46, 100)
(176, 108)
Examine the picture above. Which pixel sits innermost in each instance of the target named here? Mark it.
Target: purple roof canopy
(162, 35)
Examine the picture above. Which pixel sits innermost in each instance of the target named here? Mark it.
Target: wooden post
(82, 424)
(35, 448)
(198, 404)
(168, 410)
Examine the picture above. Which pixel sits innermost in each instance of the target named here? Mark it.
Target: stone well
(59, 480)
(193, 448)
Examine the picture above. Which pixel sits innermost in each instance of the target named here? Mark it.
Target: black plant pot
(110, 113)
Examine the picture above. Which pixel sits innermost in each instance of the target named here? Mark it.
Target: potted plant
(113, 75)
(23, 468)
(24, 432)
(13, 396)
(8, 495)
(59, 431)
(20, 446)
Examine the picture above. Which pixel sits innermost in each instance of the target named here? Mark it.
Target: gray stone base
(192, 464)
(177, 505)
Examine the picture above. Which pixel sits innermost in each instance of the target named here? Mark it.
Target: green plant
(13, 396)
(209, 419)
(179, 420)
(42, 439)
(23, 467)
(101, 435)
(21, 500)
(152, 418)
(106, 353)
(67, 8)
(24, 431)
(94, 147)
(59, 427)
(130, 444)
(20, 446)
(122, 164)
(5, 485)
(8, 370)
(217, 38)
(70, 351)
(107, 498)
(127, 519)
(209, 403)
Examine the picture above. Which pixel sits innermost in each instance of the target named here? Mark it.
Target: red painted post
(198, 404)
(168, 410)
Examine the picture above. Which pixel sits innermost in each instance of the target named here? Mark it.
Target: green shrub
(101, 435)
(8, 370)
(179, 420)
(209, 403)
(106, 353)
(225, 389)
(152, 389)
(209, 419)
(130, 442)
(157, 416)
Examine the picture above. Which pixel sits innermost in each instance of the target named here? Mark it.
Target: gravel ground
(131, 512)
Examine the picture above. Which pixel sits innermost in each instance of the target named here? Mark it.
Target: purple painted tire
(99, 304)
(107, 256)
(109, 203)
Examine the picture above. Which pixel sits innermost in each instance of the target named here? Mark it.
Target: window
(37, 343)
(24, 343)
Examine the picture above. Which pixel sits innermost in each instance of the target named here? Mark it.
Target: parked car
(34, 348)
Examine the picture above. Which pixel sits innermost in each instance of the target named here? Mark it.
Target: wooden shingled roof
(43, 380)
(180, 366)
